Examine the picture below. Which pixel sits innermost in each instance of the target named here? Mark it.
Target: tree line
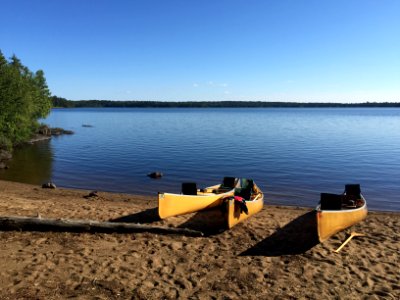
(24, 98)
(64, 103)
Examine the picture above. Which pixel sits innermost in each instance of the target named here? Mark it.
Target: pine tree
(24, 98)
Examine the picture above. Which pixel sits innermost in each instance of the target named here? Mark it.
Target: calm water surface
(293, 154)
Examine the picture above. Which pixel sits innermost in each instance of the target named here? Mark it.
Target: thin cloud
(222, 85)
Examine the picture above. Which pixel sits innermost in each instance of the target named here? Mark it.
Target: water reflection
(30, 164)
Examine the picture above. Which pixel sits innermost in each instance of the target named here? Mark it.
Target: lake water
(293, 154)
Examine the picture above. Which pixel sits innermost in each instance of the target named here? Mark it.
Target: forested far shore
(64, 103)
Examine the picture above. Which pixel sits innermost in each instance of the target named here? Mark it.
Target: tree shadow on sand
(144, 217)
(297, 237)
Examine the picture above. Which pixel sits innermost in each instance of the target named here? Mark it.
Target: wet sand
(274, 254)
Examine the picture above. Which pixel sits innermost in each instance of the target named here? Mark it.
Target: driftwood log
(67, 225)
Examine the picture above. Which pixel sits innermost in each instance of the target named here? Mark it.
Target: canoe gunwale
(318, 208)
(202, 195)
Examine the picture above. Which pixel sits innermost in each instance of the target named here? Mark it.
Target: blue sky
(193, 50)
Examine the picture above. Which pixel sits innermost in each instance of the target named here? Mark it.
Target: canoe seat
(189, 188)
(352, 191)
(246, 189)
(331, 201)
(228, 183)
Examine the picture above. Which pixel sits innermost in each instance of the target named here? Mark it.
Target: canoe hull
(330, 222)
(235, 216)
(170, 205)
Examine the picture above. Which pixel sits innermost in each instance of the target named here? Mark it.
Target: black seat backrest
(246, 183)
(353, 190)
(189, 188)
(246, 188)
(228, 183)
(331, 201)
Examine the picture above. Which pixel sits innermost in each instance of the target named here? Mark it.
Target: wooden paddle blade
(353, 234)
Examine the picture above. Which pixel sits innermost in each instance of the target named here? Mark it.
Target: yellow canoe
(234, 213)
(170, 205)
(338, 212)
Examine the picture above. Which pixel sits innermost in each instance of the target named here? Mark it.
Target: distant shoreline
(64, 103)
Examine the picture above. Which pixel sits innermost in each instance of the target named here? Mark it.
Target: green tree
(41, 101)
(24, 98)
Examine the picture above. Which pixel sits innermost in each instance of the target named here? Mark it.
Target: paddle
(353, 234)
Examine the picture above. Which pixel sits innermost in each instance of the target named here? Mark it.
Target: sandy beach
(273, 255)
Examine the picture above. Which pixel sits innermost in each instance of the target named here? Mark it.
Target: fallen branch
(67, 225)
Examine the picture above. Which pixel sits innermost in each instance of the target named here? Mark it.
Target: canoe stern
(234, 215)
(331, 222)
